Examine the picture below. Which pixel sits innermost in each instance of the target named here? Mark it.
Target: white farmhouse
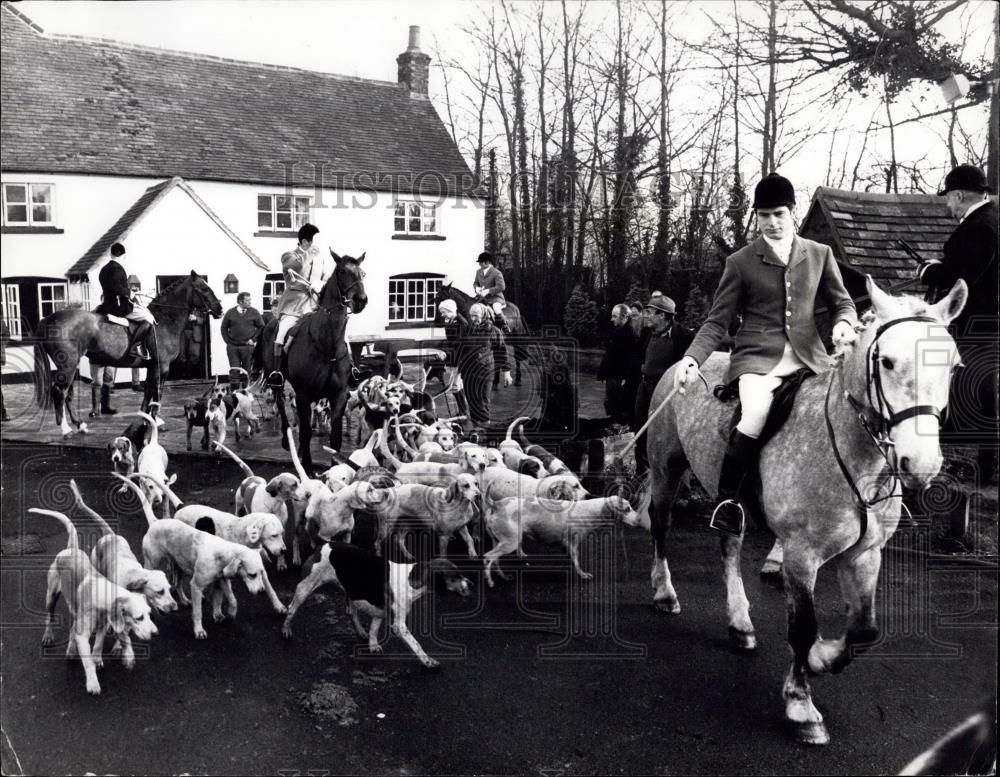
(197, 162)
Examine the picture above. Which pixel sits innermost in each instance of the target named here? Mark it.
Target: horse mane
(168, 289)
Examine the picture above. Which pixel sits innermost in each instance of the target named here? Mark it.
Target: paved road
(542, 676)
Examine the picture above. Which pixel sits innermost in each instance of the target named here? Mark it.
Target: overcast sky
(363, 38)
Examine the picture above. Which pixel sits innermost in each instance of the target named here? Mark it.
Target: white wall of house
(176, 236)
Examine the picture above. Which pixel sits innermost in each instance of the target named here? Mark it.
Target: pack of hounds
(416, 478)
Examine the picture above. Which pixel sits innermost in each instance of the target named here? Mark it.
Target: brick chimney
(414, 65)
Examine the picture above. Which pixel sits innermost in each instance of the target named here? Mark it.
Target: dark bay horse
(519, 332)
(830, 489)
(67, 335)
(317, 363)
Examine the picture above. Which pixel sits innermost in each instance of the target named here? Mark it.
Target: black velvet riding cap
(773, 191)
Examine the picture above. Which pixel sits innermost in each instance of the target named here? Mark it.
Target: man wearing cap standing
(489, 286)
(774, 282)
(971, 254)
(666, 345)
(304, 279)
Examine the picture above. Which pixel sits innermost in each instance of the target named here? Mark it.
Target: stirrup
(723, 518)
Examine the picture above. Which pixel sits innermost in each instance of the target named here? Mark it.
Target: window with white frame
(274, 284)
(12, 308)
(79, 294)
(411, 297)
(415, 218)
(281, 212)
(27, 204)
(51, 297)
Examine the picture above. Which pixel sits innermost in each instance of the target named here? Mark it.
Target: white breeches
(140, 313)
(757, 392)
(284, 326)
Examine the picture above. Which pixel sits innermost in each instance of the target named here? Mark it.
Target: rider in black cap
(118, 302)
(489, 287)
(773, 283)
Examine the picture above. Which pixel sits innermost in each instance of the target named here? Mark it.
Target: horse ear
(949, 308)
(336, 257)
(881, 302)
(194, 275)
(361, 258)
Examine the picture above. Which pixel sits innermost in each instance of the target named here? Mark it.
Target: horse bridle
(879, 432)
(345, 298)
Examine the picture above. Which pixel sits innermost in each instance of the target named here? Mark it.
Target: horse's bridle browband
(879, 434)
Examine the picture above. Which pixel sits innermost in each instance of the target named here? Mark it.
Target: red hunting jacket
(777, 303)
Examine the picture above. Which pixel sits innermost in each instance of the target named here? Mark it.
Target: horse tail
(105, 529)
(43, 376)
(383, 442)
(247, 472)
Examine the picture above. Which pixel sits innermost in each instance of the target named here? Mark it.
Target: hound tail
(247, 472)
(72, 543)
(515, 422)
(105, 529)
(383, 442)
(147, 508)
(524, 438)
(402, 440)
(299, 469)
(154, 434)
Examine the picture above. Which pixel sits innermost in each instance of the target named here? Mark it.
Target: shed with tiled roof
(870, 232)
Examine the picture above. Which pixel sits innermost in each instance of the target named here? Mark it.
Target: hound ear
(110, 446)
(232, 567)
(253, 532)
(117, 616)
(454, 491)
(138, 584)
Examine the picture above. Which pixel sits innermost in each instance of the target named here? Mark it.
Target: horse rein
(878, 434)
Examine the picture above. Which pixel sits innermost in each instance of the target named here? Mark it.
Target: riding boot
(106, 408)
(279, 351)
(139, 349)
(95, 409)
(729, 517)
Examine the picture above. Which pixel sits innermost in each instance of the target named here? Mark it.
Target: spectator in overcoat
(616, 367)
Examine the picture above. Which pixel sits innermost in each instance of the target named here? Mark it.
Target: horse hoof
(743, 641)
(811, 733)
(669, 606)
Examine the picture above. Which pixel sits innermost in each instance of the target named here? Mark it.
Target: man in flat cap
(489, 286)
(971, 254)
(773, 283)
(667, 343)
(304, 279)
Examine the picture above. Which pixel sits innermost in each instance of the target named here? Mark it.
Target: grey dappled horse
(821, 508)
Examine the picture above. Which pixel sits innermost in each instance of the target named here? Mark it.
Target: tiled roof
(149, 199)
(864, 228)
(78, 105)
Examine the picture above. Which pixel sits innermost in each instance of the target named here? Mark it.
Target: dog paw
(218, 617)
(281, 565)
(93, 687)
(376, 650)
(280, 609)
(286, 631)
(586, 576)
(48, 638)
(430, 663)
(200, 633)
(98, 662)
(129, 662)
(473, 555)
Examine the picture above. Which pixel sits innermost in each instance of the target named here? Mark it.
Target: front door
(194, 358)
